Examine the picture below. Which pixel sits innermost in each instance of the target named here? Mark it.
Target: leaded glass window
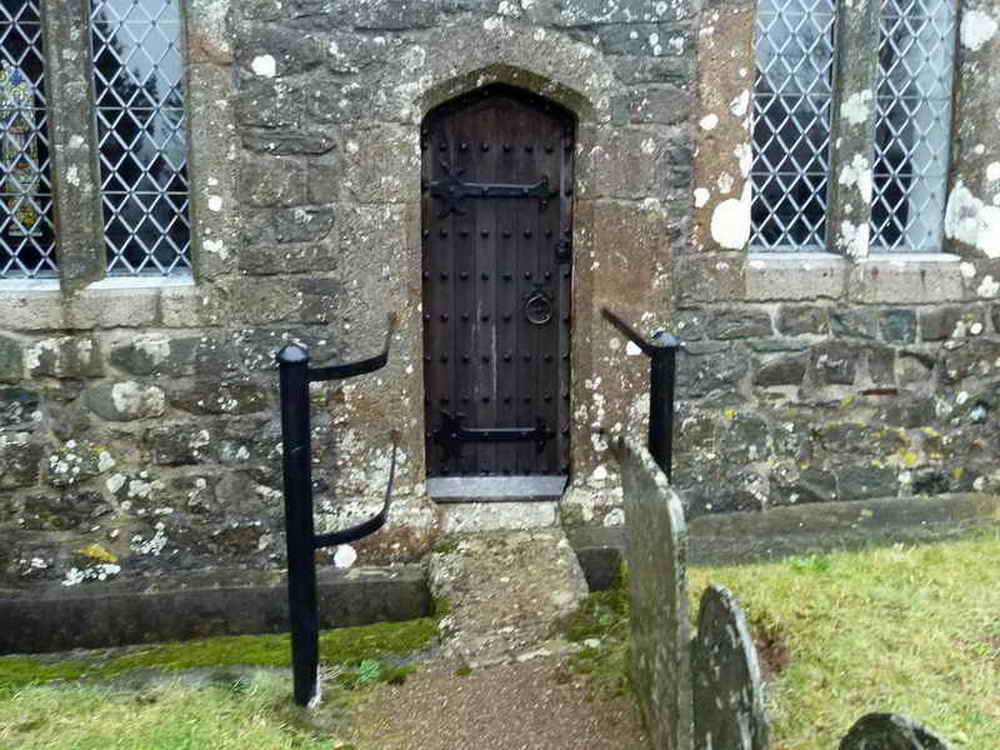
(141, 131)
(792, 97)
(26, 231)
(912, 125)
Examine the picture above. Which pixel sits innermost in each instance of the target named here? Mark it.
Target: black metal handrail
(301, 539)
(662, 353)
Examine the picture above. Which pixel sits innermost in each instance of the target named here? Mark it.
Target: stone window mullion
(74, 173)
(853, 131)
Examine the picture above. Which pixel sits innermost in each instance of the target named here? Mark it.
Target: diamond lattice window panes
(141, 130)
(912, 125)
(792, 96)
(26, 231)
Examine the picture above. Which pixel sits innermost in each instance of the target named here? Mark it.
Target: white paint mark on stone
(854, 238)
(214, 203)
(857, 108)
(739, 105)
(993, 171)
(744, 155)
(731, 221)
(217, 247)
(73, 175)
(858, 173)
(77, 142)
(976, 328)
(701, 196)
(632, 350)
(977, 29)
(988, 288)
(969, 220)
(725, 183)
(345, 556)
(708, 122)
(968, 269)
(264, 66)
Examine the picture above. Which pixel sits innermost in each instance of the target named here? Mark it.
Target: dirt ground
(534, 705)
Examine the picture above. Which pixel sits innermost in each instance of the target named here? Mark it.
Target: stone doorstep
(505, 590)
(223, 603)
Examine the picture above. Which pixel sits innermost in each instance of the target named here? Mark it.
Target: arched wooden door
(497, 226)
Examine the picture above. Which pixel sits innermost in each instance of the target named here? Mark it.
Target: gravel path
(534, 705)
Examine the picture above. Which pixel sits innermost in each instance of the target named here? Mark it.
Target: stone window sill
(881, 278)
(116, 302)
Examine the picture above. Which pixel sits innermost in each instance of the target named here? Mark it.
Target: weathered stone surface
(833, 362)
(859, 482)
(716, 368)
(273, 181)
(782, 371)
(941, 323)
(663, 104)
(806, 486)
(178, 444)
(126, 401)
(76, 461)
(656, 549)
(19, 408)
(62, 512)
(11, 360)
(744, 438)
(65, 357)
(898, 326)
(215, 397)
(485, 624)
(728, 689)
(19, 460)
(853, 322)
(976, 358)
(740, 324)
(880, 731)
(795, 320)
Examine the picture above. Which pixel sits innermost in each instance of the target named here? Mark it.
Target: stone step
(504, 591)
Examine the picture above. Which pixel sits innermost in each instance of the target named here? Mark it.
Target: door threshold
(495, 489)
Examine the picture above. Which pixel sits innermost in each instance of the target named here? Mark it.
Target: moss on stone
(343, 646)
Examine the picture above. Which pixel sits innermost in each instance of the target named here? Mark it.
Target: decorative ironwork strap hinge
(451, 434)
(453, 191)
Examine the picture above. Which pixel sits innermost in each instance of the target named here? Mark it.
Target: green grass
(154, 701)
(907, 629)
(252, 712)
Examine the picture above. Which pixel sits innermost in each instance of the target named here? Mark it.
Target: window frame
(77, 213)
(852, 152)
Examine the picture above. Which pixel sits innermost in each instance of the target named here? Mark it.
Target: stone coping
(218, 603)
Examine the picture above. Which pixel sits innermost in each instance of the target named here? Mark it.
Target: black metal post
(662, 371)
(662, 353)
(293, 366)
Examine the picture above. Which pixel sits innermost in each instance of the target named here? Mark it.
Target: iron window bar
(302, 542)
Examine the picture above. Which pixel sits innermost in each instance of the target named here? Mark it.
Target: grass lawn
(906, 629)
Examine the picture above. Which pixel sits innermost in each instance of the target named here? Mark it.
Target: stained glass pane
(792, 95)
(142, 135)
(912, 126)
(26, 231)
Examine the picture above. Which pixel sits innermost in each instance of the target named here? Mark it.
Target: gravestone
(656, 549)
(890, 732)
(728, 691)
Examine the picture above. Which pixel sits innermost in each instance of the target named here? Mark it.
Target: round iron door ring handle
(538, 308)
